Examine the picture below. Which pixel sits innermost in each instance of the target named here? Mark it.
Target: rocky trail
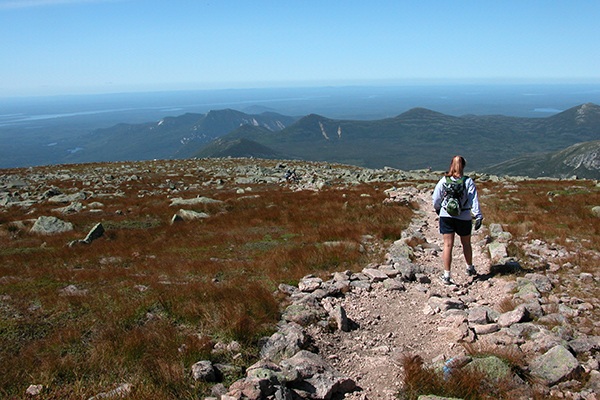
(346, 337)
(390, 323)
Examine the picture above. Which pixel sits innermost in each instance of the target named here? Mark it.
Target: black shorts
(453, 225)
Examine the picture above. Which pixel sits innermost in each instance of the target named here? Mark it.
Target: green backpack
(453, 193)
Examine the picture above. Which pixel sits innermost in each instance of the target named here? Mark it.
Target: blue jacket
(470, 204)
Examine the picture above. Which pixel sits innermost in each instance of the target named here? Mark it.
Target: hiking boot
(471, 271)
(445, 280)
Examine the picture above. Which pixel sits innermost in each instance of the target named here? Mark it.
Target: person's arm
(437, 197)
(474, 197)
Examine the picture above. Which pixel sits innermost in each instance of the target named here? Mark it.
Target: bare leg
(467, 249)
(447, 252)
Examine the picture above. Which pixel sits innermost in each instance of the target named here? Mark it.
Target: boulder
(190, 215)
(493, 367)
(178, 201)
(204, 371)
(287, 341)
(50, 225)
(541, 282)
(316, 378)
(520, 314)
(554, 366)
(497, 251)
(95, 233)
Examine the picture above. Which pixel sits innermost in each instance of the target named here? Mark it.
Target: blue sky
(104, 46)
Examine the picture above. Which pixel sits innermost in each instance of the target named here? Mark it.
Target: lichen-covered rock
(204, 371)
(555, 365)
(287, 341)
(493, 367)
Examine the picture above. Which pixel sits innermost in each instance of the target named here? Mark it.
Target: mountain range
(171, 137)
(418, 138)
(421, 138)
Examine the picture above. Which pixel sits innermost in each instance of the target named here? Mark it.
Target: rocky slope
(581, 160)
(401, 308)
(347, 336)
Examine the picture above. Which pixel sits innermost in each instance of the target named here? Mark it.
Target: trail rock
(585, 344)
(556, 365)
(497, 251)
(519, 314)
(317, 379)
(541, 282)
(526, 287)
(399, 251)
(439, 304)
(287, 341)
(493, 367)
(374, 274)
(478, 316)
(338, 314)
(310, 283)
(408, 270)
(393, 284)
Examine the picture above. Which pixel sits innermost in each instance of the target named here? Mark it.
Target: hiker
(291, 176)
(456, 202)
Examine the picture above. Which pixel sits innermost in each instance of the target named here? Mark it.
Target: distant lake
(547, 110)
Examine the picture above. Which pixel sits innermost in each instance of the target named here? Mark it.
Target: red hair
(457, 167)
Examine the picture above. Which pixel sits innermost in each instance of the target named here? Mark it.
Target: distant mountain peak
(587, 111)
(420, 112)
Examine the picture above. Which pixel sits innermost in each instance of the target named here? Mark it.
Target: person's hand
(478, 223)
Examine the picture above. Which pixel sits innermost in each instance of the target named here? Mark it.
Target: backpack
(454, 191)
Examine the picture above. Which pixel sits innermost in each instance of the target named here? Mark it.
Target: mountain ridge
(421, 138)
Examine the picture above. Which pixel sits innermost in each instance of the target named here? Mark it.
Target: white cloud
(15, 4)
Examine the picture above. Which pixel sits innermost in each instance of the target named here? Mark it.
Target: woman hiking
(456, 202)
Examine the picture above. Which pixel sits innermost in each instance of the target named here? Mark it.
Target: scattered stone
(204, 371)
(73, 290)
(50, 225)
(190, 215)
(34, 390)
(338, 314)
(316, 379)
(122, 391)
(190, 202)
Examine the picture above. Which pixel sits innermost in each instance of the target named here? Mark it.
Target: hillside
(171, 137)
(421, 138)
(581, 160)
(176, 279)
